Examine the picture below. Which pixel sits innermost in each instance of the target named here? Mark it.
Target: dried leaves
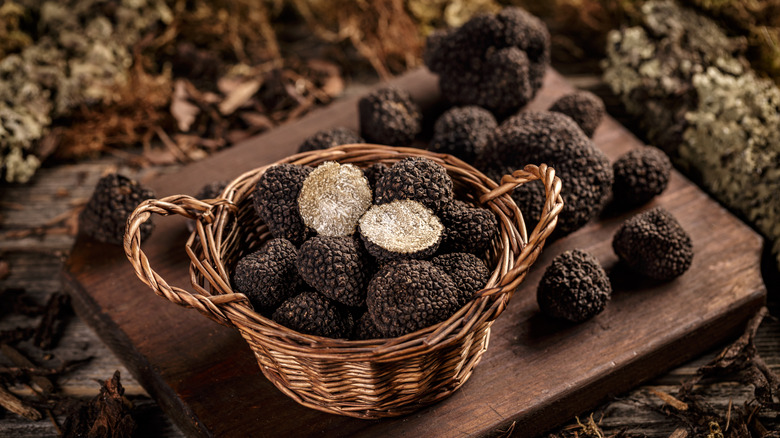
(107, 415)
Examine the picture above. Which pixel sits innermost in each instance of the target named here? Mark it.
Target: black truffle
(584, 107)
(493, 61)
(466, 228)
(276, 201)
(313, 314)
(654, 244)
(389, 116)
(333, 198)
(114, 199)
(463, 132)
(409, 295)
(574, 287)
(374, 173)
(268, 276)
(554, 139)
(400, 229)
(365, 328)
(335, 267)
(640, 175)
(529, 196)
(416, 178)
(211, 190)
(468, 272)
(330, 137)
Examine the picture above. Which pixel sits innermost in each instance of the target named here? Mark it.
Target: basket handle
(553, 204)
(212, 306)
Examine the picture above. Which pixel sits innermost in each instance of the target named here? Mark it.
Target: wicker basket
(364, 379)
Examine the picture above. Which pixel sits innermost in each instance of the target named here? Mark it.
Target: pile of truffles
(364, 253)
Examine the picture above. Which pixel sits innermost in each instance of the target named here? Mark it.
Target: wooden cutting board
(536, 373)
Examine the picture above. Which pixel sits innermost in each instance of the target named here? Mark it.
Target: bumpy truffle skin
(554, 139)
(389, 116)
(335, 267)
(268, 276)
(584, 107)
(418, 179)
(574, 287)
(468, 272)
(374, 173)
(313, 314)
(276, 201)
(409, 295)
(466, 228)
(463, 132)
(640, 175)
(654, 244)
(105, 215)
(365, 328)
(330, 137)
(494, 61)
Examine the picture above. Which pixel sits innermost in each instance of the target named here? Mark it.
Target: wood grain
(536, 373)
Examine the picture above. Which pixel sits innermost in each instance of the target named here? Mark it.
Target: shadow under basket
(364, 379)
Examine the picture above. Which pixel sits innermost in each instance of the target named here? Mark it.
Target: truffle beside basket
(365, 379)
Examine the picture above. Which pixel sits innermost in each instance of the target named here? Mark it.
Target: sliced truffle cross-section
(400, 229)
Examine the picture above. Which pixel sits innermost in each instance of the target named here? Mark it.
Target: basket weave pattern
(365, 379)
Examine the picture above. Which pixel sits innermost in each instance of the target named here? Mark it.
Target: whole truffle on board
(333, 197)
(416, 178)
(469, 273)
(313, 314)
(409, 295)
(276, 201)
(330, 137)
(574, 287)
(268, 276)
(654, 244)
(114, 199)
(466, 228)
(462, 132)
(365, 328)
(640, 175)
(584, 107)
(496, 61)
(374, 173)
(400, 229)
(389, 116)
(554, 139)
(336, 267)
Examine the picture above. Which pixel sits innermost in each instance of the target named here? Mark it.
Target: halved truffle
(654, 244)
(640, 175)
(574, 287)
(409, 295)
(400, 229)
(330, 137)
(416, 178)
(468, 272)
(336, 267)
(584, 107)
(333, 197)
(276, 201)
(268, 276)
(114, 199)
(466, 228)
(313, 314)
(463, 132)
(389, 116)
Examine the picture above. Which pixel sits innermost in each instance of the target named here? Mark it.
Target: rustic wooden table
(35, 261)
